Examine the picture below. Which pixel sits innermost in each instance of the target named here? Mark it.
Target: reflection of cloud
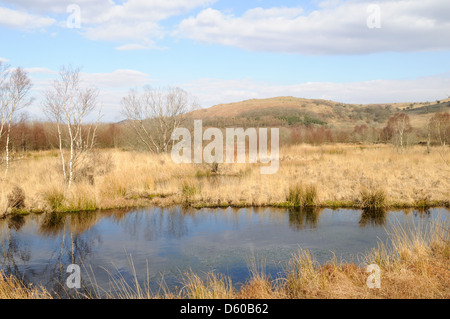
(336, 27)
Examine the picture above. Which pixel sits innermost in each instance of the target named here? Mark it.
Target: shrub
(189, 189)
(374, 199)
(16, 199)
(302, 196)
(55, 198)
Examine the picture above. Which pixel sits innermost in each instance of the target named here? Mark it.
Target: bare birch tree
(399, 126)
(68, 103)
(3, 96)
(15, 86)
(439, 127)
(155, 113)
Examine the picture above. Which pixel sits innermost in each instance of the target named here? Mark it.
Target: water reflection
(16, 222)
(72, 240)
(14, 252)
(373, 217)
(54, 223)
(303, 217)
(38, 248)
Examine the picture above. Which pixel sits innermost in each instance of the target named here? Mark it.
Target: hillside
(291, 110)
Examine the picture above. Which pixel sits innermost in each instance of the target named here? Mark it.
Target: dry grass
(337, 175)
(414, 264)
(12, 288)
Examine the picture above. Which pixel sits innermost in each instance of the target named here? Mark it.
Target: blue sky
(224, 50)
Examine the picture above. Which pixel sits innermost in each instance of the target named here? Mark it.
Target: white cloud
(39, 70)
(123, 78)
(132, 47)
(4, 60)
(136, 21)
(216, 91)
(336, 27)
(23, 20)
(113, 86)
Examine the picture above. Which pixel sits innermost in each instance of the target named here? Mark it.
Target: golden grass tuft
(213, 286)
(12, 288)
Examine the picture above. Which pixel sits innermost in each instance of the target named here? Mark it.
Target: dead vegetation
(360, 176)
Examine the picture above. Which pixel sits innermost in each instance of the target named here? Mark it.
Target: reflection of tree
(157, 223)
(16, 222)
(52, 224)
(422, 212)
(373, 217)
(300, 217)
(14, 253)
(73, 237)
(176, 223)
(73, 247)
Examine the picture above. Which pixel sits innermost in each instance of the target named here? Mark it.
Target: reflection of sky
(224, 240)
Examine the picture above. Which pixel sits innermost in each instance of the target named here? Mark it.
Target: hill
(289, 110)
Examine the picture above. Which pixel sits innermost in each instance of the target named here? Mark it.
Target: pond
(161, 244)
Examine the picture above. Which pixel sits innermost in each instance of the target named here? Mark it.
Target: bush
(16, 199)
(55, 198)
(302, 196)
(374, 199)
(189, 189)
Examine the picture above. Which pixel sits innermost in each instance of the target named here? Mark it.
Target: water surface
(156, 243)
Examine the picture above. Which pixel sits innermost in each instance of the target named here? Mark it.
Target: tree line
(150, 117)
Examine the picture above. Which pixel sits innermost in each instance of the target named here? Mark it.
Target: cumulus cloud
(23, 20)
(216, 91)
(113, 86)
(336, 27)
(132, 47)
(117, 79)
(132, 20)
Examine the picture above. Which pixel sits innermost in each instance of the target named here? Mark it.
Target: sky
(225, 51)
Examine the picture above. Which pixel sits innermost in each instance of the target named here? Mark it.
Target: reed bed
(323, 176)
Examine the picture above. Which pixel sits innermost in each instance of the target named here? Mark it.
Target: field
(334, 175)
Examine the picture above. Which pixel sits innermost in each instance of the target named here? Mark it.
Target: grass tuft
(302, 196)
(373, 199)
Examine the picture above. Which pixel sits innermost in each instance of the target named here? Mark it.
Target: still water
(164, 243)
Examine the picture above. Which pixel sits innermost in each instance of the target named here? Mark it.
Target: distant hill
(289, 110)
